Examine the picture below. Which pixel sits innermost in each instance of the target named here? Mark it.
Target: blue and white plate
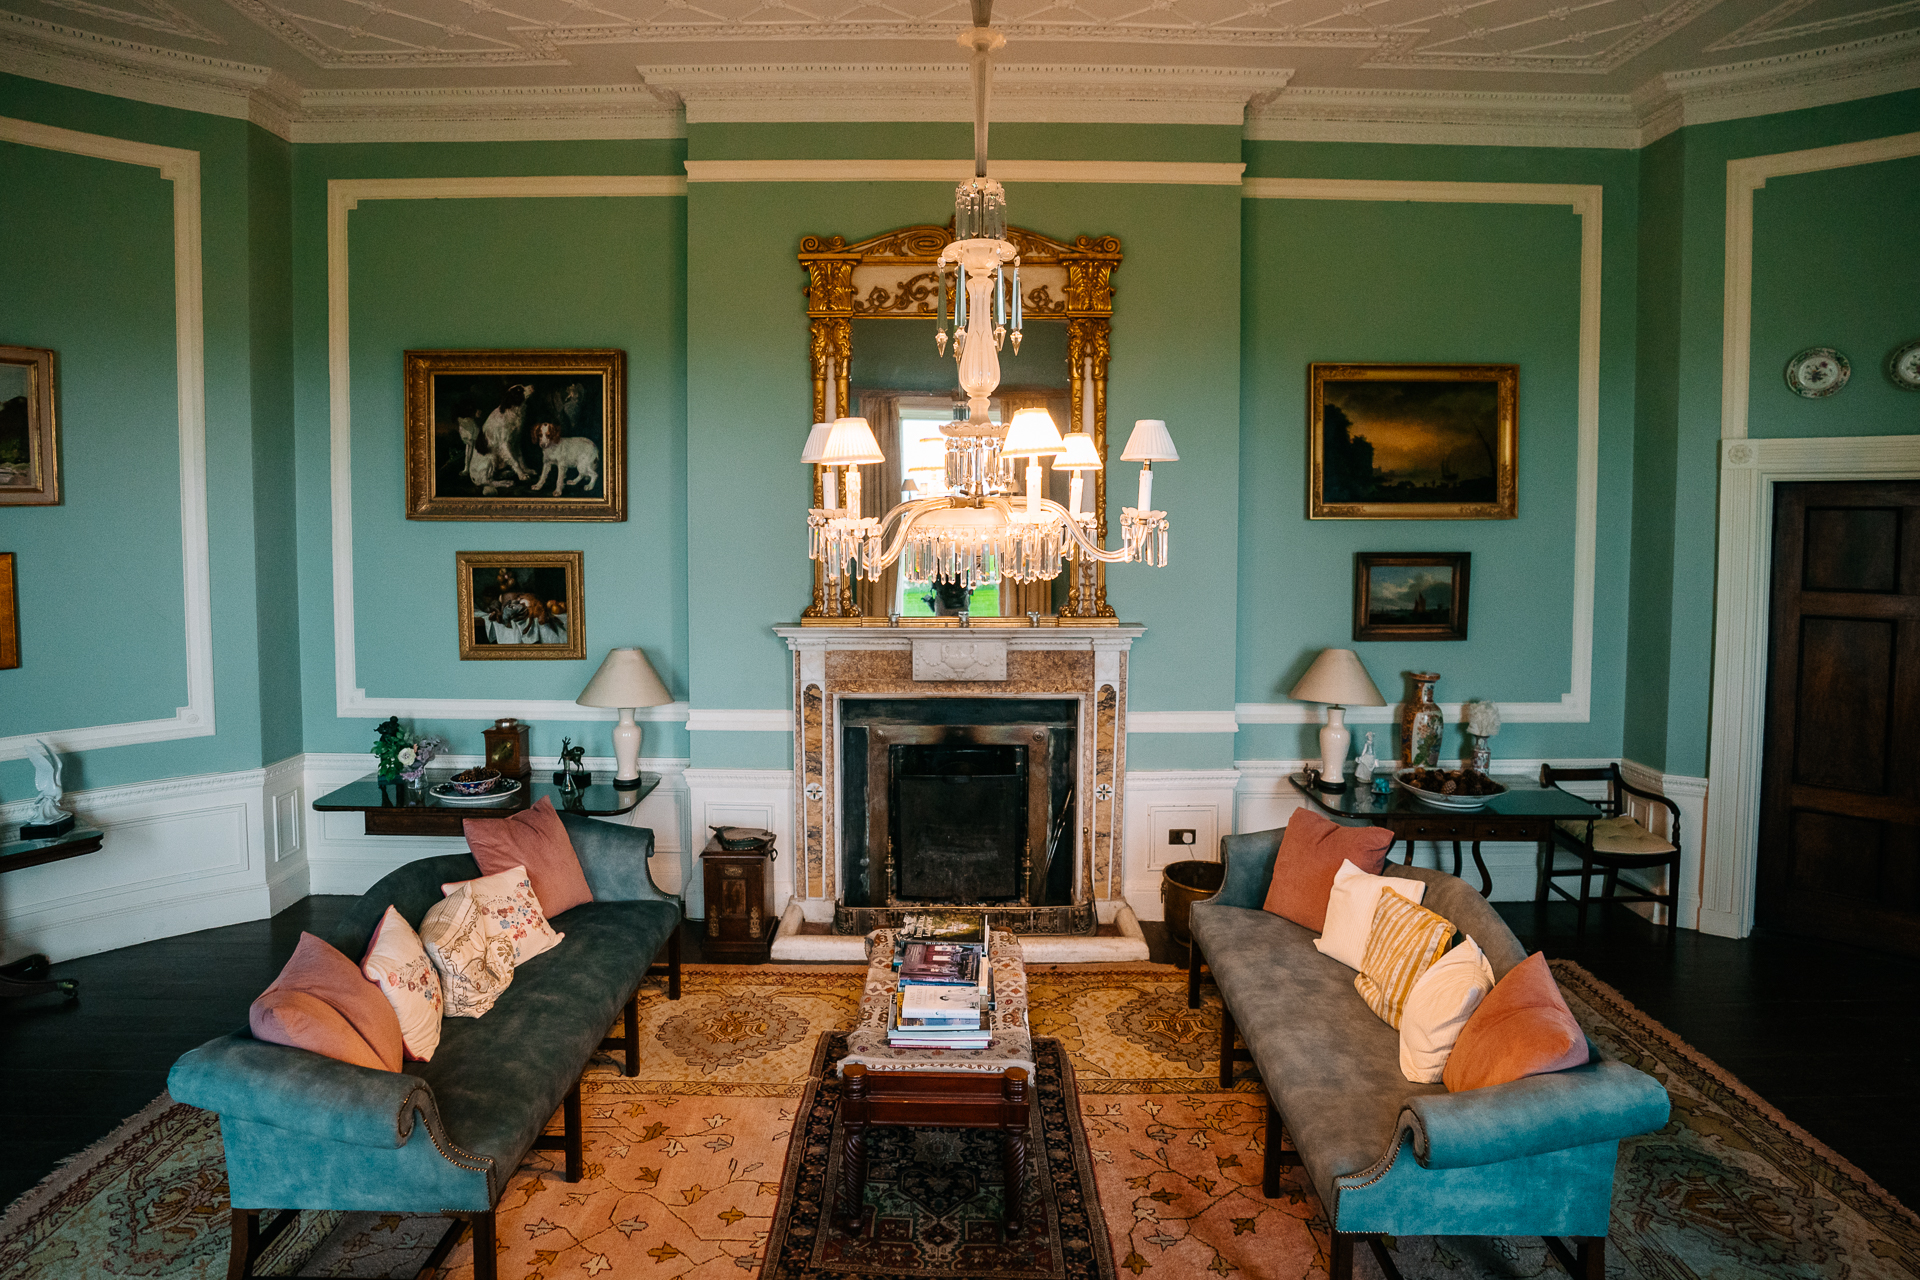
(447, 795)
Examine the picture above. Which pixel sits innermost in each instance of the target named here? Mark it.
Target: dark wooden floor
(1824, 1032)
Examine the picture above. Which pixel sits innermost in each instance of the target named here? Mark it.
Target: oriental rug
(684, 1163)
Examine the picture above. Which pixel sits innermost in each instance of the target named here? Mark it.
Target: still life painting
(516, 435)
(521, 604)
(1416, 596)
(29, 438)
(1413, 442)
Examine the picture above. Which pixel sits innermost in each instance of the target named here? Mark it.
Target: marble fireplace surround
(1087, 664)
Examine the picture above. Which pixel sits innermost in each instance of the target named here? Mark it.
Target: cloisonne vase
(1420, 723)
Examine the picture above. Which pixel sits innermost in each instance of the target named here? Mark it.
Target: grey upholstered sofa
(1534, 1157)
(304, 1131)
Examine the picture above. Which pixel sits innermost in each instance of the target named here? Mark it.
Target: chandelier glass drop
(972, 528)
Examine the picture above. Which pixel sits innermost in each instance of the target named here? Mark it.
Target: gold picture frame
(521, 605)
(29, 433)
(516, 435)
(1447, 434)
(9, 615)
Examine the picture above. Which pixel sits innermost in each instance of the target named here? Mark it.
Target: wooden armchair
(1611, 844)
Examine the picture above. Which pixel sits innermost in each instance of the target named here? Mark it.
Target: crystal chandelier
(971, 528)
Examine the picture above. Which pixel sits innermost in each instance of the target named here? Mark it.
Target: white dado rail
(1086, 664)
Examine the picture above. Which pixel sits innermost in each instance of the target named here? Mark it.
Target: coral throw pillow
(1350, 909)
(1522, 1028)
(1405, 942)
(1438, 1006)
(472, 951)
(1310, 855)
(322, 1002)
(397, 964)
(513, 908)
(537, 840)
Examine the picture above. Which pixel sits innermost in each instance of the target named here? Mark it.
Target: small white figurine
(1365, 763)
(46, 781)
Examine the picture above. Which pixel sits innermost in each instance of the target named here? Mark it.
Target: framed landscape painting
(516, 435)
(1413, 441)
(1416, 596)
(521, 604)
(29, 438)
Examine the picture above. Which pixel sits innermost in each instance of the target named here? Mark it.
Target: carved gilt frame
(890, 276)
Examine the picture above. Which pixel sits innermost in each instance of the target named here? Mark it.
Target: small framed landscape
(521, 604)
(516, 435)
(1413, 441)
(29, 437)
(1413, 596)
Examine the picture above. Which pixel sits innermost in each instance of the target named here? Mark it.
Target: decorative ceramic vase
(1420, 723)
(1482, 760)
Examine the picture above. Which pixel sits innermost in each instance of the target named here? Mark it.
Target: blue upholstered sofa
(304, 1131)
(1386, 1156)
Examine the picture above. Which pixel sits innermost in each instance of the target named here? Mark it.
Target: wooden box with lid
(737, 872)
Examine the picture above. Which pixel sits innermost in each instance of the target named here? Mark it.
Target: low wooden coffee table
(988, 1088)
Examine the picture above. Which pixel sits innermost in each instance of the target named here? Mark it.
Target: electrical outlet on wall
(1180, 836)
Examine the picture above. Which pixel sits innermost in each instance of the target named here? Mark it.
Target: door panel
(1840, 805)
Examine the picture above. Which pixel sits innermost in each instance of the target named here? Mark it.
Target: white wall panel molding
(1160, 801)
(1149, 172)
(182, 169)
(180, 854)
(1446, 117)
(1181, 722)
(1749, 469)
(343, 196)
(729, 720)
(743, 798)
(1576, 705)
(1744, 177)
(343, 858)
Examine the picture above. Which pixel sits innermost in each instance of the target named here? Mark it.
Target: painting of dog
(516, 435)
(520, 604)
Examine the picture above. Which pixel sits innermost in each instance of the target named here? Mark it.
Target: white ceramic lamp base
(1335, 738)
(626, 751)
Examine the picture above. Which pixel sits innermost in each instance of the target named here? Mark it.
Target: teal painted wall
(101, 573)
(489, 273)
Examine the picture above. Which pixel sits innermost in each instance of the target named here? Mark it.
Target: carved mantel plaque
(959, 659)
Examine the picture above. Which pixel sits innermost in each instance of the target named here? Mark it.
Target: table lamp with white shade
(625, 680)
(1338, 679)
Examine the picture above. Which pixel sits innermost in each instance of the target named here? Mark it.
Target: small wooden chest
(740, 914)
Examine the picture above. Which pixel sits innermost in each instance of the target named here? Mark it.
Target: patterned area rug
(684, 1163)
(935, 1197)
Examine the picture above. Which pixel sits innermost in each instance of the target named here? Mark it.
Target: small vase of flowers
(1483, 721)
(415, 759)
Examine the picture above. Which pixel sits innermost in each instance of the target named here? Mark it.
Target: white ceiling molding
(1443, 117)
(1576, 705)
(148, 15)
(1795, 81)
(528, 114)
(1145, 172)
(1031, 93)
(343, 196)
(181, 169)
(1772, 26)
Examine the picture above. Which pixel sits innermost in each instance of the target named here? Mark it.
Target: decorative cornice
(1795, 81)
(1439, 117)
(1057, 93)
(1137, 172)
(484, 115)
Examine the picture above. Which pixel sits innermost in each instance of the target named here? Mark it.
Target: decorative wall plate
(1817, 372)
(1903, 366)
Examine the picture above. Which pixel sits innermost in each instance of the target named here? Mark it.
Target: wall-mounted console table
(29, 976)
(396, 809)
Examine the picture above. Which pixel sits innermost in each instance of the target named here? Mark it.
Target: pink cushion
(1310, 855)
(1522, 1028)
(322, 1002)
(536, 839)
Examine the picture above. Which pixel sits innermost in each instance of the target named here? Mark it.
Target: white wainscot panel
(1160, 802)
(744, 798)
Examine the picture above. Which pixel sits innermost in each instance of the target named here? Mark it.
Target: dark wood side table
(739, 891)
(1526, 812)
(28, 976)
(396, 809)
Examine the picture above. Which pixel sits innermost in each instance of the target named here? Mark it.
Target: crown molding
(1795, 81)
(1136, 172)
(1027, 93)
(1439, 117)
(530, 114)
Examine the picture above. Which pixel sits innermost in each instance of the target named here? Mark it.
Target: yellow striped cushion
(1405, 941)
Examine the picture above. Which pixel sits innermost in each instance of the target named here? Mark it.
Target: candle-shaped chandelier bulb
(940, 316)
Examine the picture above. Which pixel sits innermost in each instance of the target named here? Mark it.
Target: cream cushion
(1438, 1007)
(471, 949)
(1619, 835)
(508, 897)
(1350, 911)
(400, 967)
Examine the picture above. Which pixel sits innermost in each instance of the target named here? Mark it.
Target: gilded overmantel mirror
(866, 363)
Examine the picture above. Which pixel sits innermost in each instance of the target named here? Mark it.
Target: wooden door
(1840, 804)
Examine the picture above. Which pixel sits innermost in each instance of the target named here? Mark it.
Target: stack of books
(944, 997)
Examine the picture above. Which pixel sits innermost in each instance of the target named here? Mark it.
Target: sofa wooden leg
(246, 1236)
(485, 1260)
(1587, 1260)
(569, 1142)
(673, 965)
(1340, 1256)
(1226, 1047)
(633, 1035)
(1193, 975)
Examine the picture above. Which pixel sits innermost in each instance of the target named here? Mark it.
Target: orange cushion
(1311, 852)
(322, 1002)
(1522, 1028)
(536, 839)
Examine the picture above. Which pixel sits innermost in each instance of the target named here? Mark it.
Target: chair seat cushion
(1620, 835)
(498, 1079)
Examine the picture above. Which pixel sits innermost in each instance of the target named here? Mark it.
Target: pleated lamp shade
(1150, 443)
(1080, 454)
(1031, 434)
(816, 450)
(851, 444)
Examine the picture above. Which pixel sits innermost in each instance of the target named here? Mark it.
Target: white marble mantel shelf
(902, 638)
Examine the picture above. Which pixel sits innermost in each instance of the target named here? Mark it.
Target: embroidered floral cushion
(399, 966)
(508, 898)
(470, 947)
(321, 1002)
